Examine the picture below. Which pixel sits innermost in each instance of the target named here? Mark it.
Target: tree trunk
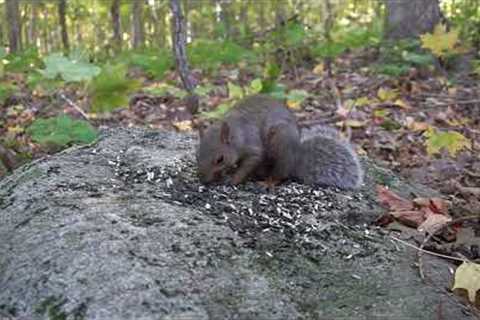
(117, 36)
(408, 19)
(13, 20)
(261, 15)
(32, 30)
(45, 30)
(138, 38)
(62, 10)
(226, 17)
(161, 27)
(244, 15)
(179, 41)
(280, 13)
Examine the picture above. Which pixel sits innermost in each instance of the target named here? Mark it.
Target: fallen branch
(74, 105)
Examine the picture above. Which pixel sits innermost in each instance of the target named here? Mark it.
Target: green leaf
(6, 90)
(278, 92)
(452, 141)
(204, 90)
(209, 55)
(417, 59)
(23, 61)
(329, 50)
(61, 131)
(255, 86)
(394, 70)
(166, 89)
(295, 98)
(36, 81)
(110, 89)
(218, 112)
(154, 62)
(235, 92)
(69, 70)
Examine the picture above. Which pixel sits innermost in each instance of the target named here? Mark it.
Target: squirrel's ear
(225, 133)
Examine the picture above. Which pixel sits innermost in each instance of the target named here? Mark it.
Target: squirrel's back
(328, 159)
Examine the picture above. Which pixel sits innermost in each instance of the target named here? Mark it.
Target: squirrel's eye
(219, 160)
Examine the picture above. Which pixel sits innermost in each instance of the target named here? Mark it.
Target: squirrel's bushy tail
(329, 160)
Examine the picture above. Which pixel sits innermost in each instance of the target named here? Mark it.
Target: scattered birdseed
(300, 215)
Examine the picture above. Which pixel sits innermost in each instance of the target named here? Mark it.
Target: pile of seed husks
(301, 215)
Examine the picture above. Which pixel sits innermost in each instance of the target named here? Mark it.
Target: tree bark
(117, 36)
(62, 10)
(261, 15)
(409, 19)
(244, 15)
(32, 30)
(226, 17)
(138, 38)
(14, 29)
(179, 41)
(280, 13)
(161, 27)
(45, 30)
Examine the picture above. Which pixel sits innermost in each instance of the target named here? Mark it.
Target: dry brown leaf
(319, 68)
(425, 214)
(433, 222)
(392, 200)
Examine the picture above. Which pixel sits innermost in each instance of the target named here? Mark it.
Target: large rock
(123, 230)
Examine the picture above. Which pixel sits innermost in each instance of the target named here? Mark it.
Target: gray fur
(329, 160)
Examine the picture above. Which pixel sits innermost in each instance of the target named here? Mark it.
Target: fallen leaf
(354, 123)
(440, 42)
(418, 126)
(411, 218)
(183, 125)
(387, 94)
(433, 222)
(467, 277)
(363, 101)
(392, 200)
(425, 214)
(452, 141)
(319, 68)
(402, 104)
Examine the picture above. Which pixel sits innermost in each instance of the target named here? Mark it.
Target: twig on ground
(74, 105)
(427, 238)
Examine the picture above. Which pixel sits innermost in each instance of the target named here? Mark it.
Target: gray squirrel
(260, 138)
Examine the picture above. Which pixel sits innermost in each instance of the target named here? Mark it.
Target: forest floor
(387, 118)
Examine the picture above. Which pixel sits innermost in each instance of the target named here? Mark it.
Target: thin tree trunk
(328, 26)
(261, 15)
(78, 31)
(179, 41)
(280, 13)
(12, 14)
(62, 10)
(1, 33)
(408, 19)
(45, 31)
(138, 38)
(32, 30)
(226, 17)
(117, 36)
(244, 15)
(161, 27)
